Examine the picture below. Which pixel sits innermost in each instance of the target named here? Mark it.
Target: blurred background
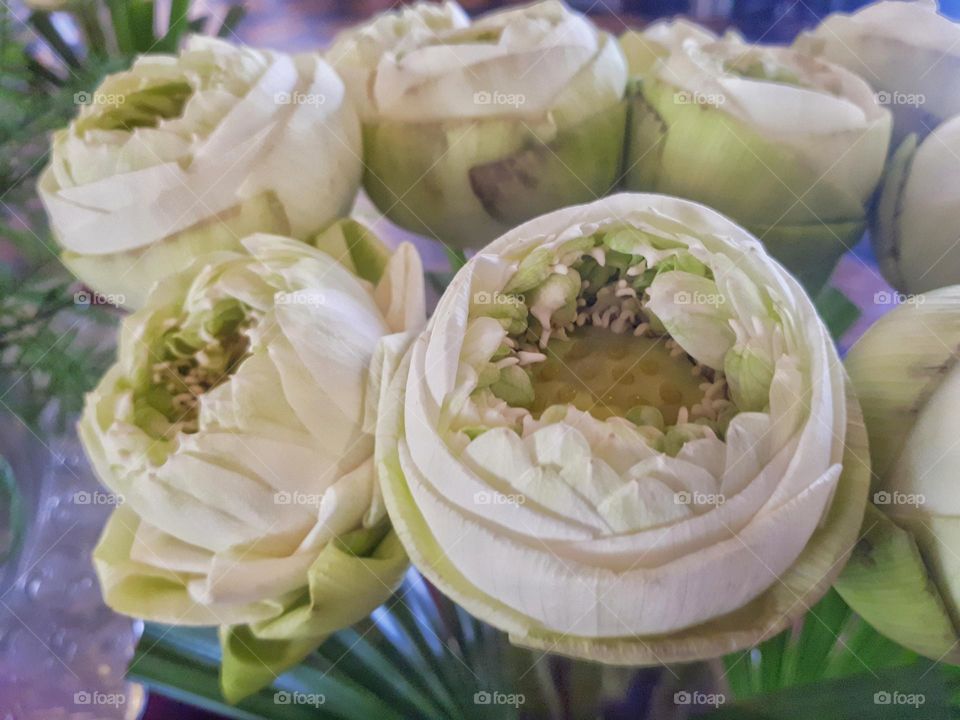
(303, 23)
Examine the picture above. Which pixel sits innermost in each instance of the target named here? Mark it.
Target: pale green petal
(695, 313)
(355, 246)
(347, 581)
(888, 583)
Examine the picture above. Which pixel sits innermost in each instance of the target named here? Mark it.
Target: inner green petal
(188, 360)
(142, 108)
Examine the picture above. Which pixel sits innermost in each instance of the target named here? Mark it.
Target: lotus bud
(180, 156)
(904, 576)
(606, 497)
(472, 127)
(906, 51)
(237, 426)
(914, 229)
(789, 146)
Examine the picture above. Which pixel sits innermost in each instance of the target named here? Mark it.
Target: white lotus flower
(907, 51)
(472, 128)
(789, 146)
(184, 155)
(915, 225)
(235, 427)
(904, 577)
(625, 436)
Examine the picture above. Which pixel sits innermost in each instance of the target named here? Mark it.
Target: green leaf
(837, 311)
(417, 656)
(456, 257)
(41, 22)
(178, 23)
(918, 691)
(234, 15)
(120, 16)
(141, 20)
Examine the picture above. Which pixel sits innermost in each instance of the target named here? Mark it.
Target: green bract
(915, 222)
(236, 429)
(906, 51)
(625, 436)
(904, 576)
(790, 147)
(184, 155)
(471, 128)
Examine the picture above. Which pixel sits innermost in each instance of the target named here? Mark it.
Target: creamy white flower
(625, 435)
(472, 128)
(908, 53)
(188, 154)
(915, 229)
(234, 425)
(357, 52)
(904, 577)
(789, 146)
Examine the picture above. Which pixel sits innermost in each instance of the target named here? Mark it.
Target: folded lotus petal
(906, 51)
(138, 185)
(560, 450)
(903, 576)
(471, 127)
(789, 145)
(235, 429)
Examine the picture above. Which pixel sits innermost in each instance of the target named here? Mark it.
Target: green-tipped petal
(355, 246)
(345, 585)
(888, 583)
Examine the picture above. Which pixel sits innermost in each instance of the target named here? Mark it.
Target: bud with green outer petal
(788, 146)
(610, 500)
(471, 128)
(906, 51)
(179, 156)
(237, 427)
(915, 221)
(904, 576)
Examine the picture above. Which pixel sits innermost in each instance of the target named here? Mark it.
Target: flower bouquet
(619, 452)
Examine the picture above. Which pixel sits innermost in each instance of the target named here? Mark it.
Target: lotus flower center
(190, 359)
(581, 335)
(608, 374)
